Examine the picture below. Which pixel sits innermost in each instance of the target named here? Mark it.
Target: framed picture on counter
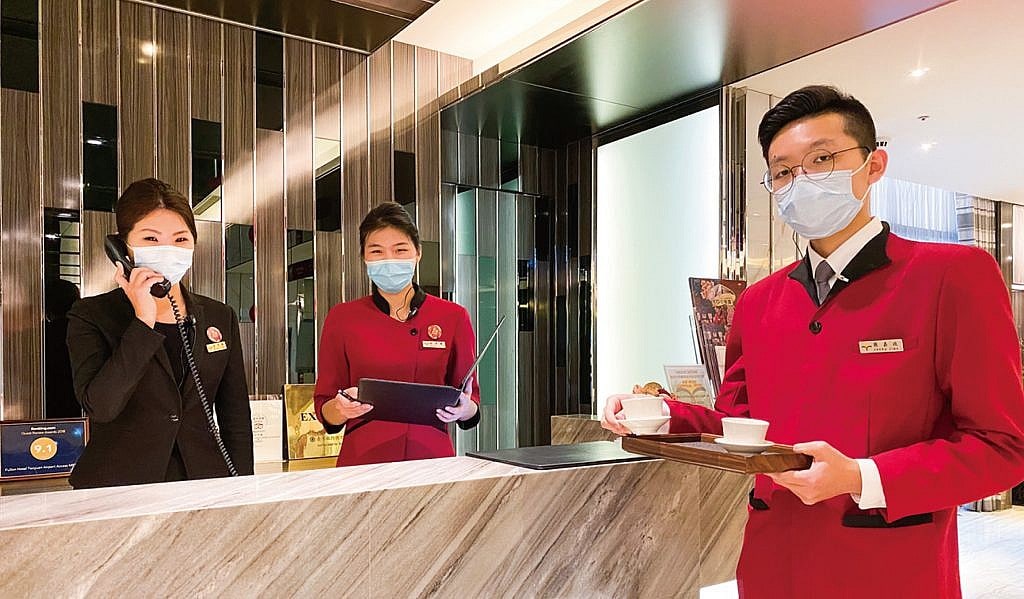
(689, 383)
(41, 448)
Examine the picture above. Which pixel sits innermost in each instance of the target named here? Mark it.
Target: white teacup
(642, 406)
(744, 430)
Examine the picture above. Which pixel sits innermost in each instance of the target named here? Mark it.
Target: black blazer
(123, 380)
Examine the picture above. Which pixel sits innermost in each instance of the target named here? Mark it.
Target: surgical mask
(391, 276)
(816, 209)
(170, 261)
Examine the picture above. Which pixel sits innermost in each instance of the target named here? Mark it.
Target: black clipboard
(415, 403)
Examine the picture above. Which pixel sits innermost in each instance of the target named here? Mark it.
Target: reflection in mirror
(99, 157)
(508, 154)
(405, 182)
(240, 286)
(207, 169)
(62, 283)
(301, 318)
(269, 82)
(327, 166)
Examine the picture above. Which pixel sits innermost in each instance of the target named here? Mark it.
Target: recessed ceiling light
(925, 147)
(919, 72)
(94, 141)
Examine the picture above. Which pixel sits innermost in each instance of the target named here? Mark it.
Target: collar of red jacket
(419, 296)
(870, 258)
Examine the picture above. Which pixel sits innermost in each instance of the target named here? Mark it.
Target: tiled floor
(991, 557)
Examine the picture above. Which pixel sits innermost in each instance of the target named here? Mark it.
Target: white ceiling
(973, 93)
(489, 31)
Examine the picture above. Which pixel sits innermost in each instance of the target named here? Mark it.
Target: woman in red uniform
(397, 333)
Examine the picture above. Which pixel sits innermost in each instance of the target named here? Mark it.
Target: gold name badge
(434, 345)
(215, 347)
(881, 346)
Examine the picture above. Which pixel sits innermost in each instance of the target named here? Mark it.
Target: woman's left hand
(464, 410)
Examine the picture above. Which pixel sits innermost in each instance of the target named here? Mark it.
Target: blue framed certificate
(41, 448)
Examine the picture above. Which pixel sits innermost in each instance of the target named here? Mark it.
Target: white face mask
(819, 209)
(170, 261)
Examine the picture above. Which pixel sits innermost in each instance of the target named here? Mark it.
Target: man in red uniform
(894, 364)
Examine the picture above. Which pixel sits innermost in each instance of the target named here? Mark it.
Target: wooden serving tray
(700, 449)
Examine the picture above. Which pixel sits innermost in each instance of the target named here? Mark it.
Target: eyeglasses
(816, 165)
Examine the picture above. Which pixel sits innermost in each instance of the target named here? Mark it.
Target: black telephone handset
(117, 251)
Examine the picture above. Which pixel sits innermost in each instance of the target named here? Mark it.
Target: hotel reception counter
(452, 527)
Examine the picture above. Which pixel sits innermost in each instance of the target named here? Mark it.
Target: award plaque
(41, 448)
(306, 436)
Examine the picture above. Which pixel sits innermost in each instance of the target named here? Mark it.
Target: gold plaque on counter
(306, 436)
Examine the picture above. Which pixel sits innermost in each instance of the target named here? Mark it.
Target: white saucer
(745, 448)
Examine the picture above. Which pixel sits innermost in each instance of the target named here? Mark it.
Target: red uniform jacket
(360, 340)
(942, 419)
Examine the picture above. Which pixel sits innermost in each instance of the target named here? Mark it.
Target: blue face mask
(391, 276)
(820, 209)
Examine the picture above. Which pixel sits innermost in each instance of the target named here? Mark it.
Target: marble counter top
(119, 502)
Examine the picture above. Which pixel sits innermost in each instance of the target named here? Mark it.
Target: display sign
(42, 448)
(306, 436)
(267, 428)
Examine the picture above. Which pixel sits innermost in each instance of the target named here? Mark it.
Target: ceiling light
(148, 49)
(94, 141)
(925, 147)
(918, 72)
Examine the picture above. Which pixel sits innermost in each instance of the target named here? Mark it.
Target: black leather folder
(550, 457)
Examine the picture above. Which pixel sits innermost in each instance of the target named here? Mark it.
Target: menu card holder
(700, 449)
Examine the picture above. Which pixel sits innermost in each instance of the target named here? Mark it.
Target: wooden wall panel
(298, 137)
(490, 166)
(327, 98)
(452, 70)
(356, 170)
(207, 274)
(529, 168)
(271, 364)
(404, 100)
(428, 146)
(174, 122)
(330, 265)
(205, 41)
(99, 50)
(239, 125)
(137, 108)
(381, 167)
(21, 278)
(60, 65)
(97, 271)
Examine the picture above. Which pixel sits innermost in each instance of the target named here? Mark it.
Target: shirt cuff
(871, 494)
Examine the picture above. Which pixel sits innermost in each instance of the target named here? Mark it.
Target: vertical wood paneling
(586, 197)
(271, 365)
(529, 167)
(327, 99)
(137, 108)
(59, 64)
(381, 171)
(174, 121)
(21, 236)
(428, 146)
(99, 50)
(207, 274)
(298, 138)
(404, 101)
(452, 70)
(239, 125)
(330, 264)
(97, 271)
(205, 68)
(356, 147)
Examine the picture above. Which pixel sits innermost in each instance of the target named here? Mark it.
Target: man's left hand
(831, 474)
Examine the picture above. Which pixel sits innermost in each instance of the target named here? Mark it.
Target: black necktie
(822, 274)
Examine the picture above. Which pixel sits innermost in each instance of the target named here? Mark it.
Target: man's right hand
(613, 414)
(137, 287)
(339, 410)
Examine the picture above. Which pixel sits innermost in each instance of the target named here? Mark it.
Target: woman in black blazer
(131, 375)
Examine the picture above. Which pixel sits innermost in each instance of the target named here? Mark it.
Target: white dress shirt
(871, 495)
